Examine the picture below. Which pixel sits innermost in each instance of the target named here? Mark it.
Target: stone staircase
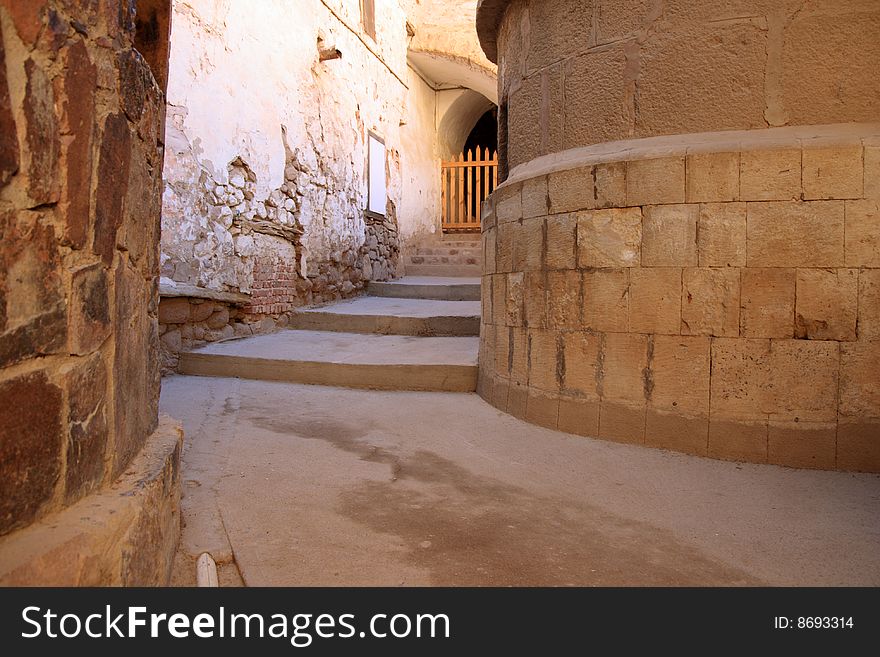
(450, 256)
(418, 333)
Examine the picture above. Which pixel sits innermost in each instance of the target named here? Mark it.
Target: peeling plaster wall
(247, 89)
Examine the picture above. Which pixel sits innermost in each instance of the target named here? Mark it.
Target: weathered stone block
(655, 182)
(87, 428)
(564, 299)
(681, 71)
(486, 293)
(535, 299)
(712, 177)
(872, 172)
(89, 320)
(869, 304)
(135, 371)
(174, 310)
(581, 364)
(596, 104)
(710, 301)
(517, 400)
(572, 190)
(776, 234)
(30, 447)
(113, 170)
(486, 355)
(579, 416)
(519, 371)
(768, 297)
(610, 184)
(859, 391)
(525, 102)
(802, 444)
(42, 137)
(822, 83)
(508, 204)
(9, 153)
(827, 304)
(489, 244)
(770, 175)
(33, 313)
(562, 242)
(606, 300)
(588, 188)
(218, 319)
(625, 367)
(804, 376)
(496, 287)
(863, 233)
(833, 173)
(680, 375)
(514, 301)
(542, 409)
(535, 199)
(503, 352)
(609, 238)
(504, 248)
(858, 446)
(528, 246)
(738, 440)
(199, 312)
(622, 422)
(669, 236)
(500, 392)
(741, 387)
(677, 432)
(618, 18)
(655, 300)
(80, 80)
(721, 235)
(544, 366)
(564, 25)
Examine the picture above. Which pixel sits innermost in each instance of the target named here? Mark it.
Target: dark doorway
(485, 134)
(483, 143)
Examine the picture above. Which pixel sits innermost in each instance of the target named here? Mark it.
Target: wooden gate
(465, 183)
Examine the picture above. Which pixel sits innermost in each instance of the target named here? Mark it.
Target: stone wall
(80, 186)
(641, 68)
(266, 190)
(707, 292)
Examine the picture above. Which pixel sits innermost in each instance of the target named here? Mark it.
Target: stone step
(443, 260)
(448, 270)
(393, 316)
(348, 360)
(448, 252)
(458, 242)
(428, 287)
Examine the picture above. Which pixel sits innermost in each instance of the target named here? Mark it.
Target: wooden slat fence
(465, 183)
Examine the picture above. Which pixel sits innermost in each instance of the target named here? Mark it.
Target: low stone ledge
(123, 535)
(172, 289)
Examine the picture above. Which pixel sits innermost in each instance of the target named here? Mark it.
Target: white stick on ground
(206, 572)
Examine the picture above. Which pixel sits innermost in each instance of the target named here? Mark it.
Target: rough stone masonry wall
(80, 176)
(714, 293)
(266, 183)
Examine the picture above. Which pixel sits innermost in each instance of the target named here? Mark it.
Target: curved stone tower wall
(687, 251)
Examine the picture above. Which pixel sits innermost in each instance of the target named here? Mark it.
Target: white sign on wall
(378, 190)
